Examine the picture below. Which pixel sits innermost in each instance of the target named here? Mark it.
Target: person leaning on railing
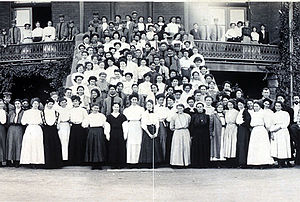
(37, 33)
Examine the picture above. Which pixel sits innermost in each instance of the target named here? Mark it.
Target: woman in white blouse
(254, 35)
(27, 34)
(77, 141)
(37, 33)
(49, 32)
(98, 128)
(151, 151)
(134, 138)
(52, 145)
(2, 132)
(63, 127)
(32, 151)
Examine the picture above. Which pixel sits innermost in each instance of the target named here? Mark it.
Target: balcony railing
(40, 51)
(239, 52)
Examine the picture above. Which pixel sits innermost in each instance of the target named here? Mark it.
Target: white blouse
(49, 34)
(50, 116)
(134, 113)
(239, 118)
(2, 116)
(17, 115)
(32, 117)
(94, 120)
(64, 114)
(37, 32)
(149, 119)
(77, 115)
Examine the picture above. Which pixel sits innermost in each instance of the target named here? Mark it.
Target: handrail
(36, 51)
(233, 51)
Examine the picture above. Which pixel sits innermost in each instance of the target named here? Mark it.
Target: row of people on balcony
(241, 32)
(62, 31)
(229, 133)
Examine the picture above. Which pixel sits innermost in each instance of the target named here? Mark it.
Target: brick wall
(168, 9)
(69, 9)
(5, 15)
(266, 13)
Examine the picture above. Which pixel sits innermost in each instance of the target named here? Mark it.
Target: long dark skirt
(52, 147)
(95, 146)
(147, 153)
(163, 138)
(200, 148)
(168, 143)
(117, 147)
(77, 144)
(243, 136)
(2, 143)
(14, 142)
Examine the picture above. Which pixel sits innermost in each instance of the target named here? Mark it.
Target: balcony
(36, 52)
(238, 52)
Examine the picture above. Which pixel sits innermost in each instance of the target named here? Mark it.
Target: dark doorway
(251, 83)
(42, 14)
(34, 86)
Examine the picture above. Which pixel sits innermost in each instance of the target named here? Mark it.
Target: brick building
(236, 68)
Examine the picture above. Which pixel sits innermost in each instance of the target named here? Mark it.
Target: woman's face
(63, 103)
(149, 106)
(220, 108)
(35, 105)
(200, 108)
(134, 101)
(116, 108)
(175, 82)
(180, 109)
(170, 102)
(266, 105)
(49, 23)
(254, 29)
(240, 106)
(238, 94)
(18, 104)
(80, 91)
(159, 79)
(76, 103)
(256, 107)
(37, 24)
(94, 94)
(229, 105)
(50, 105)
(185, 80)
(95, 109)
(278, 107)
(177, 37)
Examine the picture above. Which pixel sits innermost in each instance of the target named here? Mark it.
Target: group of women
(156, 135)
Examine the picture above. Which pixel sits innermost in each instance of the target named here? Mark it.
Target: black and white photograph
(183, 100)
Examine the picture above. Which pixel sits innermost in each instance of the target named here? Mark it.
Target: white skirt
(259, 152)
(32, 151)
(281, 145)
(64, 135)
(134, 141)
(181, 148)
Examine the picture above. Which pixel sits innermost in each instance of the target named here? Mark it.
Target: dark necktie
(71, 35)
(59, 33)
(91, 32)
(13, 33)
(112, 103)
(7, 107)
(170, 57)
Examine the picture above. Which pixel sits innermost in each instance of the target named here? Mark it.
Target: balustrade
(238, 51)
(37, 51)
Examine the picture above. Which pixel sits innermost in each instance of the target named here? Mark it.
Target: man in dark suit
(3, 38)
(14, 33)
(263, 35)
(195, 31)
(72, 31)
(61, 28)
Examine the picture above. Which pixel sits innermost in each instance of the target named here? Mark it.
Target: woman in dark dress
(52, 145)
(150, 148)
(14, 135)
(95, 152)
(78, 134)
(243, 121)
(200, 149)
(117, 143)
